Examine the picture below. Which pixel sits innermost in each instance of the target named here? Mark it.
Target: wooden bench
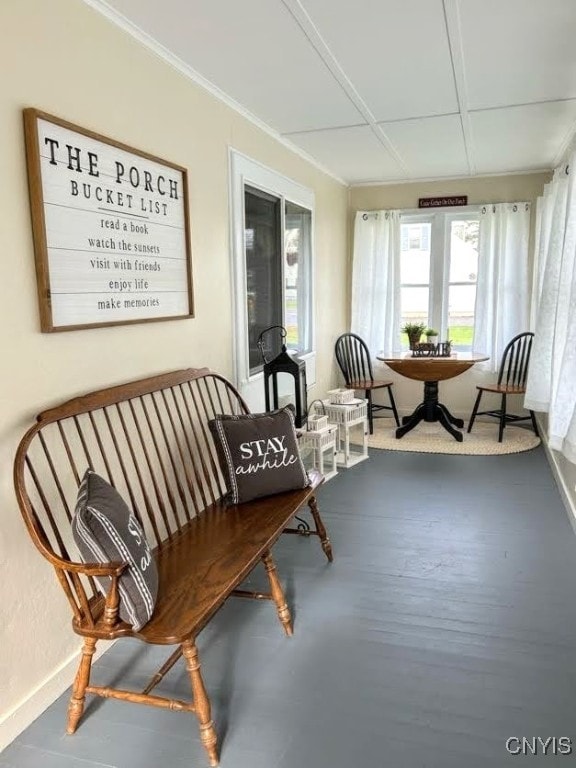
(150, 438)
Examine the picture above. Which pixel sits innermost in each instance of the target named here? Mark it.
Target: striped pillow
(105, 530)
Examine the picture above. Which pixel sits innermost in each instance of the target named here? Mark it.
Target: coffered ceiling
(383, 90)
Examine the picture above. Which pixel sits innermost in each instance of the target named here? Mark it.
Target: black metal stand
(431, 410)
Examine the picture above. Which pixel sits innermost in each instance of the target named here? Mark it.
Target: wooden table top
(432, 368)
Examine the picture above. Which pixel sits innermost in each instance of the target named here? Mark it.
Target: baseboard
(568, 497)
(26, 711)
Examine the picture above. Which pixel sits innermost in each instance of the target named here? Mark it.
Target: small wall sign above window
(442, 202)
(111, 229)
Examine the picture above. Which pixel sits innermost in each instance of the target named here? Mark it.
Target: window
(414, 274)
(263, 224)
(277, 272)
(438, 271)
(272, 221)
(463, 272)
(298, 277)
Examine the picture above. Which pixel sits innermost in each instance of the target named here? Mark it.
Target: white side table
(322, 448)
(349, 417)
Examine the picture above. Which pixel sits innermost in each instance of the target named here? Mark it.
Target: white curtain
(502, 300)
(552, 376)
(376, 280)
(545, 207)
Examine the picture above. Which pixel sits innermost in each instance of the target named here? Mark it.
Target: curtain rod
(375, 215)
(514, 207)
(463, 209)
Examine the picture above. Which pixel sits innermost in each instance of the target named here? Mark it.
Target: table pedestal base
(431, 410)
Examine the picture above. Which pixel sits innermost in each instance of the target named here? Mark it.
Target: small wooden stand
(348, 417)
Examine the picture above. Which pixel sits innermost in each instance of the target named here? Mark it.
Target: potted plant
(431, 335)
(414, 331)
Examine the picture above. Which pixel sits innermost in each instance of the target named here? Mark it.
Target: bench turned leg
(76, 705)
(201, 701)
(324, 538)
(278, 593)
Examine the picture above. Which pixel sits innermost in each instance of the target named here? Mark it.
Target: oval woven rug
(433, 438)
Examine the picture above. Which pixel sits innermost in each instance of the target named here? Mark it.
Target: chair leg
(201, 701)
(324, 538)
(502, 419)
(475, 410)
(393, 405)
(82, 679)
(370, 415)
(534, 425)
(278, 593)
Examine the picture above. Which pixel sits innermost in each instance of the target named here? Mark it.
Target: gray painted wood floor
(445, 626)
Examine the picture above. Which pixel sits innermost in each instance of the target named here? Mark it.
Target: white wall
(66, 59)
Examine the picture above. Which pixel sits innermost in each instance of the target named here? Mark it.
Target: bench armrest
(114, 568)
(111, 597)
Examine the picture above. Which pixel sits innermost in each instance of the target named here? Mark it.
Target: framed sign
(441, 202)
(111, 229)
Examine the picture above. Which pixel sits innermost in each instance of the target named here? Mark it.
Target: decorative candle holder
(340, 396)
(317, 422)
(318, 449)
(352, 420)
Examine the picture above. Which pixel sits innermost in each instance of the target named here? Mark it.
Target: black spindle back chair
(511, 381)
(353, 358)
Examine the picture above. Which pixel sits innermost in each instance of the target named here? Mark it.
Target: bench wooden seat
(151, 440)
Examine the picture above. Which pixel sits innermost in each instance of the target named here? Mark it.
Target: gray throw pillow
(259, 454)
(105, 530)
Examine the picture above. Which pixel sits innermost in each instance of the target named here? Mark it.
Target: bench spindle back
(150, 439)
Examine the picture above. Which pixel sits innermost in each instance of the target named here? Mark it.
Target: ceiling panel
(521, 138)
(395, 53)
(432, 147)
(518, 51)
(354, 154)
(307, 66)
(255, 52)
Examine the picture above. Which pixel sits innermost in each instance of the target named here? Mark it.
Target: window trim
(246, 171)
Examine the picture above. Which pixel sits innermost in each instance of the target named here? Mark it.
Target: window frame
(247, 172)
